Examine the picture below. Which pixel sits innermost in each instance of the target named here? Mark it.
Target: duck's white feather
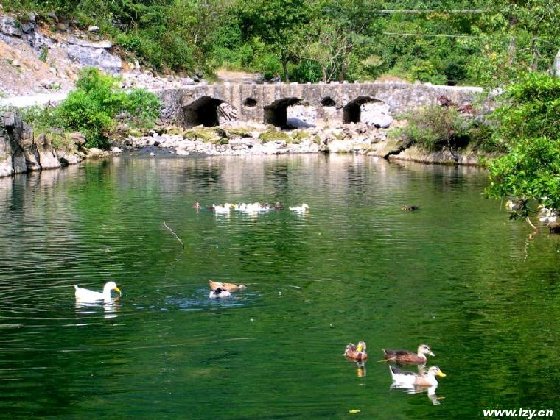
(86, 295)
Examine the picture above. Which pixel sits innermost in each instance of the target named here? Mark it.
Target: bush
(436, 127)
(93, 106)
(274, 135)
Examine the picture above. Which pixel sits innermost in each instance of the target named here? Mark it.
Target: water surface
(457, 274)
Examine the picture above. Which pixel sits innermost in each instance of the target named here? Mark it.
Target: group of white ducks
(250, 208)
(544, 214)
(412, 382)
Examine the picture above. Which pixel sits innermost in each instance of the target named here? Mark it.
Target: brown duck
(230, 287)
(409, 357)
(356, 352)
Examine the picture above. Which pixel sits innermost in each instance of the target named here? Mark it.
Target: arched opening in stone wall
(250, 102)
(351, 112)
(328, 101)
(203, 111)
(277, 112)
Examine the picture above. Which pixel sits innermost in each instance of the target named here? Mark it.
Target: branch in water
(174, 234)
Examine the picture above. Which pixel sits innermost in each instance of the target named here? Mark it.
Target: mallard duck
(356, 352)
(554, 227)
(404, 378)
(219, 293)
(409, 208)
(230, 287)
(304, 208)
(405, 356)
(89, 296)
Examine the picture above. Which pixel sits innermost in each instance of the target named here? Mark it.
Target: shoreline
(22, 152)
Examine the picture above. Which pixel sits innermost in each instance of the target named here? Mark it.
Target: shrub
(93, 106)
(435, 127)
(273, 135)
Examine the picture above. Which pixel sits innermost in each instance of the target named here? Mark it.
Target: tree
(326, 43)
(529, 128)
(276, 23)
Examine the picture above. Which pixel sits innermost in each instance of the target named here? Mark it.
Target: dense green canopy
(478, 42)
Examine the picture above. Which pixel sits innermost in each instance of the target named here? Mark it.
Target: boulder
(10, 26)
(6, 165)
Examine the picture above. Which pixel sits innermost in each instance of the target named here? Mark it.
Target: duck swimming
(409, 208)
(219, 293)
(230, 287)
(304, 208)
(356, 352)
(89, 296)
(404, 378)
(409, 357)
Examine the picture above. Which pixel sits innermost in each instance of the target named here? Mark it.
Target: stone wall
(331, 102)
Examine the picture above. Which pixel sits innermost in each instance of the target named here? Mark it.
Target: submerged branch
(174, 234)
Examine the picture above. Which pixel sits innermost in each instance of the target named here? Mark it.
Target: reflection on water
(456, 274)
(410, 382)
(109, 309)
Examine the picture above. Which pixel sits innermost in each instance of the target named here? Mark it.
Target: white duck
(219, 293)
(405, 379)
(304, 208)
(89, 296)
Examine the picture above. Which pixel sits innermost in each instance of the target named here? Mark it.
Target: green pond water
(457, 275)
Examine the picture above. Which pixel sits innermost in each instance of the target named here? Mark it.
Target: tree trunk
(556, 65)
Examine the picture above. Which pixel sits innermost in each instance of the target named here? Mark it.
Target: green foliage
(326, 39)
(41, 119)
(92, 109)
(527, 126)
(530, 171)
(530, 109)
(274, 135)
(141, 108)
(44, 54)
(436, 127)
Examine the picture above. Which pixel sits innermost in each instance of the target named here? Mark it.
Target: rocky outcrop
(95, 54)
(81, 51)
(21, 151)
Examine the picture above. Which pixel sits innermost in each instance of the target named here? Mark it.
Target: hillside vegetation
(481, 42)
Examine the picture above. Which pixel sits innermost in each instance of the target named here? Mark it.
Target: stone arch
(203, 111)
(277, 112)
(351, 112)
(327, 101)
(250, 102)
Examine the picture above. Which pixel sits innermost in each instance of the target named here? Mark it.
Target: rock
(10, 26)
(376, 114)
(116, 150)
(95, 153)
(95, 57)
(93, 28)
(9, 120)
(28, 27)
(78, 139)
(6, 167)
